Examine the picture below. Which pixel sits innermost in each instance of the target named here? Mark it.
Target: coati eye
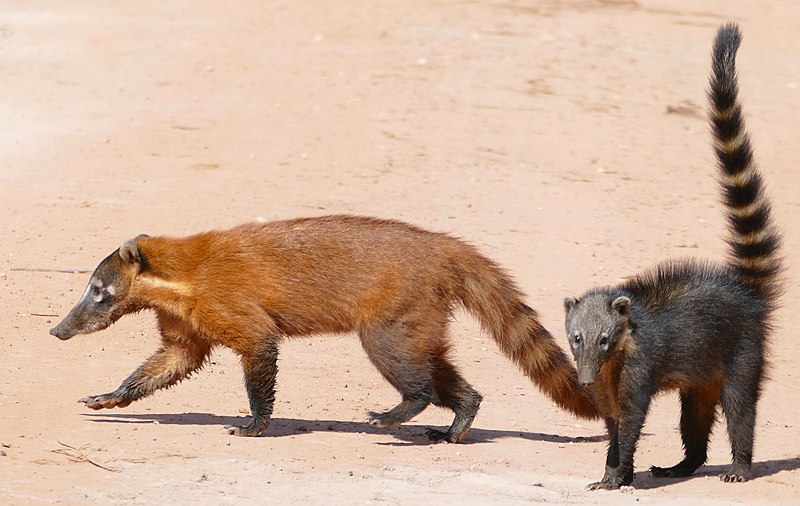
(603, 340)
(577, 337)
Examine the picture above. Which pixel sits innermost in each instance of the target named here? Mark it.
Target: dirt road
(566, 139)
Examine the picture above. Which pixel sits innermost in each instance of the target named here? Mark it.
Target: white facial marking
(111, 290)
(94, 285)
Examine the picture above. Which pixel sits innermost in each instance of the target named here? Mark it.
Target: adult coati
(692, 325)
(249, 287)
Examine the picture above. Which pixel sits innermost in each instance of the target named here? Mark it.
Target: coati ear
(129, 253)
(569, 303)
(621, 305)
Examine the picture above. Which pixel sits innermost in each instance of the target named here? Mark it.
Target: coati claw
(104, 401)
(733, 478)
(378, 420)
(602, 485)
(251, 430)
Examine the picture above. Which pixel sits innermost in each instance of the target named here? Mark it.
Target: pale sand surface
(566, 140)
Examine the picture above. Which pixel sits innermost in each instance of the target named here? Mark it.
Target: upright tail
(754, 242)
(491, 296)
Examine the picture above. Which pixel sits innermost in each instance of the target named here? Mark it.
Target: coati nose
(585, 378)
(56, 331)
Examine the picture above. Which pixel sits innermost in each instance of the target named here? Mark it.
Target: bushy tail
(492, 298)
(754, 241)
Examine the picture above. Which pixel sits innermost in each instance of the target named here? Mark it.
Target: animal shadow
(644, 480)
(409, 434)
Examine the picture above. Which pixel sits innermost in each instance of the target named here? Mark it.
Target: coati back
(695, 326)
(249, 287)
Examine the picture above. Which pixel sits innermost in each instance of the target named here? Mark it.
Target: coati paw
(677, 471)
(104, 401)
(438, 435)
(733, 477)
(251, 430)
(380, 420)
(602, 485)
(661, 472)
(738, 473)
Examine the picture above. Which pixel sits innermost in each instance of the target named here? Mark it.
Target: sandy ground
(565, 138)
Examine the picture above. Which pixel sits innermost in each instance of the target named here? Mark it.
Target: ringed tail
(491, 296)
(753, 241)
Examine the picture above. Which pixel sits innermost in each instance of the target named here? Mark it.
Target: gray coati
(689, 325)
(249, 287)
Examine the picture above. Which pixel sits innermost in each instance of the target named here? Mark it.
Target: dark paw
(437, 435)
(670, 472)
(733, 477)
(380, 420)
(104, 401)
(660, 472)
(602, 485)
(738, 473)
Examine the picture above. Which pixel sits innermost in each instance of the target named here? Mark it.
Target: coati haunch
(249, 287)
(695, 326)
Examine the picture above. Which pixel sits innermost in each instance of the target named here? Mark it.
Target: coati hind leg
(740, 392)
(698, 415)
(176, 360)
(396, 352)
(453, 392)
(260, 367)
(412, 356)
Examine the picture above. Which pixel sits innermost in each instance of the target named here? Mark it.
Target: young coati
(691, 325)
(249, 287)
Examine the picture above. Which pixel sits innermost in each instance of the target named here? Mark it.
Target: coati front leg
(634, 396)
(260, 370)
(174, 361)
(612, 456)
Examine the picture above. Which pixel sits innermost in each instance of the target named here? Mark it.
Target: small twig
(44, 269)
(81, 455)
(43, 314)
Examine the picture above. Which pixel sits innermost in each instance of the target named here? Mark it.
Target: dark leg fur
(413, 358)
(453, 392)
(740, 394)
(698, 414)
(260, 370)
(173, 362)
(612, 456)
(625, 433)
(389, 349)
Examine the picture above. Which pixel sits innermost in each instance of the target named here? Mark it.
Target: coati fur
(250, 287)
(690, 325)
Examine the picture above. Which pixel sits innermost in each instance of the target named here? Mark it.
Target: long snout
(586, 376)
